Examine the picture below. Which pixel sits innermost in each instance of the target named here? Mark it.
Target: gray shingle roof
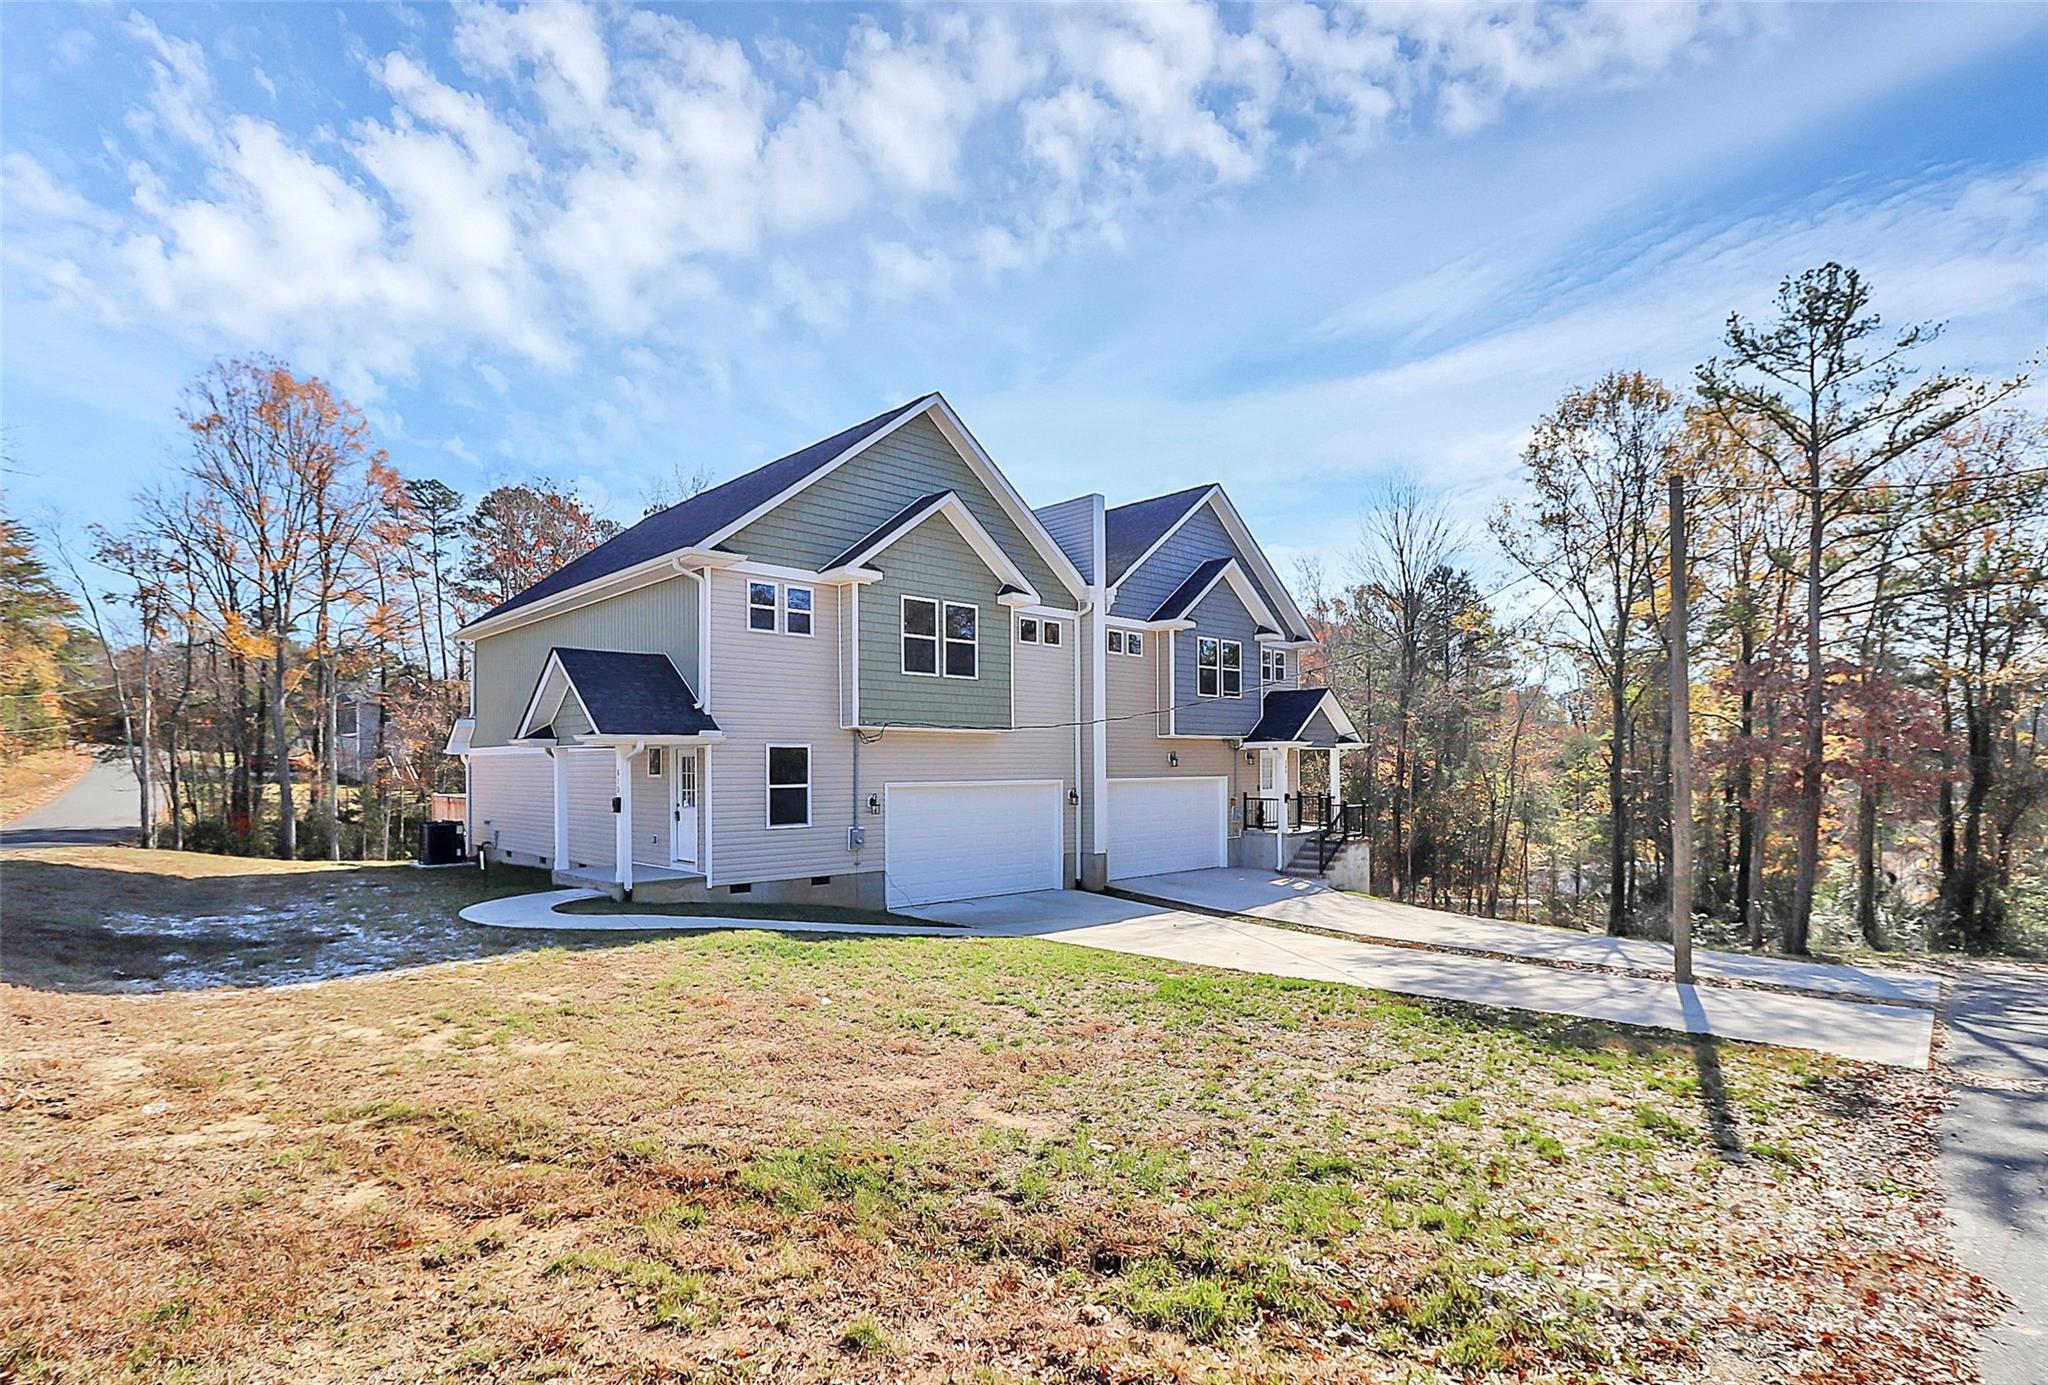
(1285, 712)
(1190, 591)
(1128, 530)
(924, 504)
(630, 694)
(694, 520)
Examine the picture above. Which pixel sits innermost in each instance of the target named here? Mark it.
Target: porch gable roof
(623, 694)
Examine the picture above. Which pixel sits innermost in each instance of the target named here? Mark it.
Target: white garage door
(1158, 825)
(963, 841)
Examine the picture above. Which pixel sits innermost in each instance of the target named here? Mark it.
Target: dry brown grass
(732, 1156)
(29, 781)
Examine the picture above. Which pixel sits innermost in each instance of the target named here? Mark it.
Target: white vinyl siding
(1160, 825)
(593, 830)
(651, 808)
(513, 796)
(964, 841)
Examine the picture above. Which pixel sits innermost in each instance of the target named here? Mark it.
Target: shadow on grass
(123, 920)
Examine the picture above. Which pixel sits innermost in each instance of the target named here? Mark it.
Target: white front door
(683, 835)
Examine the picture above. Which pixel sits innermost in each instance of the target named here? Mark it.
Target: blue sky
(1289, 247)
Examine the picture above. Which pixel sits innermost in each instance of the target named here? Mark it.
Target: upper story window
(1134, 643)
(1027, 629)
(796, 610)
(963, 646)
(1272, 666)
(1219, 667)
(920, 636)
(1116, 641)
(1051, 630)
(772, 606)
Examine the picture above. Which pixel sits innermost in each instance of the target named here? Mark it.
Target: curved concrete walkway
(1878, 1033)
(540, 911)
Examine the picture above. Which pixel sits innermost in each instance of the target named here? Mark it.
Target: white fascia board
(1247, 594)
(1241, 533)
(1339, 718)
(1025, 518)
(831, 577)
(530, 718)
(1133, 623)
(1158, 543)
(978, 538)
(596, 739)
(597, 589)
(459, 736)
(915, 410)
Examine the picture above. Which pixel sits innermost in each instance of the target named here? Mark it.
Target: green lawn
(745, 1156)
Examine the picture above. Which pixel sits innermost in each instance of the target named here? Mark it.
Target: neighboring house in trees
(868, 672)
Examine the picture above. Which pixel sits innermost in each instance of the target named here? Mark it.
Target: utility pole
(1681, 749)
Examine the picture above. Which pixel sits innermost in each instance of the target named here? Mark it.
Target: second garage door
(1160, 825)
(963, 841)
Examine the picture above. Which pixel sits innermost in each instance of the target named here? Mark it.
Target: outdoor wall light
(1073, 798)
(874, 803)
(1173, 759)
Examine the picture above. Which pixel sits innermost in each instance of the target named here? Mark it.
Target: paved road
(1994, 1155)
(99, 809)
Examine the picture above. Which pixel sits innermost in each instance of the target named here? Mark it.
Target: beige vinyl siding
(657, 619)
(846, 506)
(1045, 701)
(782, 690)
(512, 802)
(933, 562)
(651, 808)
(593, 839)
(1133, 690)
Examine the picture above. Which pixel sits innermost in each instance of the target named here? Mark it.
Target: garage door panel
(1161, 825)
(964, 841)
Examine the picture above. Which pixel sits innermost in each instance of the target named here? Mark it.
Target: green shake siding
(839, 510)
(932, 561)
(658, 619)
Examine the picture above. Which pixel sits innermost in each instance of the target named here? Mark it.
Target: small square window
(1116, 641)
(796, 610)
(1052, 631)
(1027, 630)
(1134, 644)
(761, 606)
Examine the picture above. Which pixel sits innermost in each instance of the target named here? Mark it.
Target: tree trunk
(1619, 870)
(333, 761)
(287, 811)
(1806, 871)
(1866, 867)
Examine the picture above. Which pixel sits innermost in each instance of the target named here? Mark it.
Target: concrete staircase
(1301, 865)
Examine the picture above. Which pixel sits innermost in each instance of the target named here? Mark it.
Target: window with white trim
(1027, 629)
(1219, 667)
(1051, 631)
(1116, 641)
(654, 762)
(796, 610)
(921, 636)
(1272, 666)
(761, 606)
(789, 786)
(1134, 644)
(963, 641)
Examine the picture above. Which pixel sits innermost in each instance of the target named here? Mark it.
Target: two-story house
(868, 672)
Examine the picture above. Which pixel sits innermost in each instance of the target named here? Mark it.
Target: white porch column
(1336, 784)
(622, 760)
(561, 763)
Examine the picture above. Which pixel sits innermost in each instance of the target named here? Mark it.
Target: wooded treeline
(274, 630)
(1868, 593)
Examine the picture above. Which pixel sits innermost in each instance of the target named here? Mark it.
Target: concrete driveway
(1881, 1033)
(1285, 899)
(1994, 1154)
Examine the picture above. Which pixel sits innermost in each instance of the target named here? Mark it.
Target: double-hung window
(1272, 666)
(920, 635)
(963, 648)
(1219, 667)
(761, 606)
(789, 786)
(796, 610)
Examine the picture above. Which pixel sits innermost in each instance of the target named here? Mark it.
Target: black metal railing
(1294, 812)
(1343, 825)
